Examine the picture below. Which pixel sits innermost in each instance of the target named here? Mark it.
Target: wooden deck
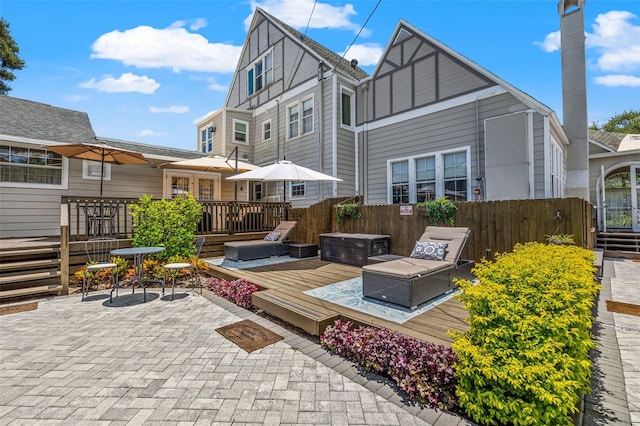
(283, 296)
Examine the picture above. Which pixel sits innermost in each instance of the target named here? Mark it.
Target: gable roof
(404, 30)
(152, 151)
(23, 119)
(322, 52)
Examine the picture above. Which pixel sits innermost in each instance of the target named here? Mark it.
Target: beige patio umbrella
(99, 152)
(214, 163)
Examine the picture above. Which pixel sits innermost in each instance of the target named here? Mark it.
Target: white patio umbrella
(285, 171)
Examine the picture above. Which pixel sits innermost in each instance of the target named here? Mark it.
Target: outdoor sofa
(275, 244)
(410, 281)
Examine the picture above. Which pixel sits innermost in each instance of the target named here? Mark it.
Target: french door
(203, 186)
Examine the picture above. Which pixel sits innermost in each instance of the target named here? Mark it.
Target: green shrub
(166, 223)
(525, 359)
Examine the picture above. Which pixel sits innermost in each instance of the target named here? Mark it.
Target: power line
(361, 28)
(309, 21)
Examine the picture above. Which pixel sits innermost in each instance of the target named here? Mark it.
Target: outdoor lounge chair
(260, 249)
(410, 281)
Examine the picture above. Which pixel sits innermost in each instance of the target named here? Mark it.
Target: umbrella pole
(101, 175)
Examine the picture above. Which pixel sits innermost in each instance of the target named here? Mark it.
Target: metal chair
(99, 254)
(173, 268)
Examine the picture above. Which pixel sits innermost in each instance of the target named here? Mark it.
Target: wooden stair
(29, 271)
(619, 244)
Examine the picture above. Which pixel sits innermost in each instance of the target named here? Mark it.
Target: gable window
(266, 130)
(94, 170)
(206, 139)
(346, 108)
(240, 129)
(295, 126)
(30, 166)
(400, 182)
(429, 176)
(297, 189)
(260, 74)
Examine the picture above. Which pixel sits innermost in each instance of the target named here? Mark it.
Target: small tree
(627, 122)
(8, 57)
(166, 223)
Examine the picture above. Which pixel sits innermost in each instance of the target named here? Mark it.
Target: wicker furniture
(352, 249)
(301, 250)
(409, 281)
(260, 249)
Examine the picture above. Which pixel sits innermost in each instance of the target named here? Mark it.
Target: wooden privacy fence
(495, 225)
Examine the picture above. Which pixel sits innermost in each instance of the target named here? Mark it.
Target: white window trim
(297, 197)
(246, 123)
(64, 184)
(299, 104)
(351, 94)
(270, 130)
(85, 170)
(251, 67)
(439, 172)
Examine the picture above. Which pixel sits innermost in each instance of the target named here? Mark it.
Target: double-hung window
(206, 139)
(297, 126)
(266, 130)
(429, 176)
(31, 166)
(240, 131)
(297, 189)
(346, 108)
(260, 74)
(556, 170)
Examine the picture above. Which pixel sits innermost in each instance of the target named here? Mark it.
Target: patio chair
(274, 244)
(99, 254)
(173, 269)
(426, 274)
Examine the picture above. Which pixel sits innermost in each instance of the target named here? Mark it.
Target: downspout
(334, 133)
(320, 129)
(604, 201)
(531, 155)
(365, 144)
(478, 174)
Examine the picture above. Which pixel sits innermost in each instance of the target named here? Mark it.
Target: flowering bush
(102, 276)
(238, 291)
(151, 268)
(423, 370)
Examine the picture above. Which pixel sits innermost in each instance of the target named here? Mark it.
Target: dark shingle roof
(328, 55)
(147, 149)
(34, 120)
(610, 139)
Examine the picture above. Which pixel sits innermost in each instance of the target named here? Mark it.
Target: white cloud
(214, 86)
(76, 98)
(127, 82)
(367, 54)
(197, 24)
(172, 47)
(296, 13)
(199, 119)
(617, 80)
(551, 42)
(617, 40)
(149, 132)
(172, 109)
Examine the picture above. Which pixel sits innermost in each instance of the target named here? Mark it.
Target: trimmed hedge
(525, 359)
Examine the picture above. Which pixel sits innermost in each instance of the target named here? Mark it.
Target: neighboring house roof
(28, 120)
(326, 54)
(608, 140)
(152, 151)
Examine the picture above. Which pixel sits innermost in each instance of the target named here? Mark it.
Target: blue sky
(147, 71)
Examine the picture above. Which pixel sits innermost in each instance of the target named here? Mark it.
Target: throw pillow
(272, 236)
(429, 250)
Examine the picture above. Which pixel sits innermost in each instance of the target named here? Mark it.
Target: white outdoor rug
(349, 294)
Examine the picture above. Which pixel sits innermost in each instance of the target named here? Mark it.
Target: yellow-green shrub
(525, 359)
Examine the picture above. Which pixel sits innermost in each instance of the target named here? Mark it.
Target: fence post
(64, 248)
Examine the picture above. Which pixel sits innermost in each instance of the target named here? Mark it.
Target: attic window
(402, 36)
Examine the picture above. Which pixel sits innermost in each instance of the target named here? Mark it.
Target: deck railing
(111, 217)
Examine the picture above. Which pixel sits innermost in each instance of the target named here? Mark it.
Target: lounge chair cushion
(407, 267)
(456, 238)
(272, 236)
(430, 250)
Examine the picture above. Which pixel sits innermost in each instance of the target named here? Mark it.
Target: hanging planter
(439, 211)
(351, 210)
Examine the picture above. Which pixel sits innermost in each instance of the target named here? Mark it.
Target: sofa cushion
(429, 250)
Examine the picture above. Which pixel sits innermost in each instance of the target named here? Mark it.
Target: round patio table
(138, 254)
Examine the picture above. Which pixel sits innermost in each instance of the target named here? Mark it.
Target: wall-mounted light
(212, 128)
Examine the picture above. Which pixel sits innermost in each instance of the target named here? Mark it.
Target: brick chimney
(574, 96)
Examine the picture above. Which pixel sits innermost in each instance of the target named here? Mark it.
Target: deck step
(27, 252)
(20, 293)
(29, 265)
(35, 276)
(311, 320)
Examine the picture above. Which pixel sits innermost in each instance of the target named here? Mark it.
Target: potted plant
(439, 211)
(351, 210)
